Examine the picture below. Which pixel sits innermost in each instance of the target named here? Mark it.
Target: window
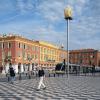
(9, 45)
(9, 53)
(48, 51)
(24, 46)
(18, 53)
(44, 50)
(23, 54)
(33, 48)
(0, 45)
(41, 49)
(28, 47)
(3, 55)
(36, 56)
(3, 45)
(28, 56)
(19, 45)
(45, 58)
(33, 56)
(36, 48)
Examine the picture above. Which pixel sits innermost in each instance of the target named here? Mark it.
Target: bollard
(8, 78)
(54, 74)
(26, 74)
(49, 74)
(29, 76)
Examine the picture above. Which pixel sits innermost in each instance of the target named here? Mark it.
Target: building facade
(24, 54)
(85, 57)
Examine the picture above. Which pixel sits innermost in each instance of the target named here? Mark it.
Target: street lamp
(68, 17)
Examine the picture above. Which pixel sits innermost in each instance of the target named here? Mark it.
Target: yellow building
(49, 54)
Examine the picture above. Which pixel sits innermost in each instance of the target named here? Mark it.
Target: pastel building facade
(25, 54)
(85, 57)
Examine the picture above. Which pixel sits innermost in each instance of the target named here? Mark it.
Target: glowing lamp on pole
(68, 17)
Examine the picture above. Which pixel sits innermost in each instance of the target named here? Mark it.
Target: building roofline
(83, 50)
(14, 36)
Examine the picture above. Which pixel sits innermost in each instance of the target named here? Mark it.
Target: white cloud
(25, 6)
(52, 11)
(85, 34)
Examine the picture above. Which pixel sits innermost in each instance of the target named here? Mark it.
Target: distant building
(24, 54)
(85, 57)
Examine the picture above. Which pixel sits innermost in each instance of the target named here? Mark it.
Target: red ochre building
(85, 57)
(24, 54)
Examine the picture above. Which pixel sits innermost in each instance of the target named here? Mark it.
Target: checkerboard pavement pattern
(58, 88)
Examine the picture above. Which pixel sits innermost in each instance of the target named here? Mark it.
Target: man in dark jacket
(41, 75)
(12, 74)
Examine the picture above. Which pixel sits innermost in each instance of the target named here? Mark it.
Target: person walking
(41, 75)
(12, 74)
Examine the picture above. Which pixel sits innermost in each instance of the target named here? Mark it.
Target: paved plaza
(58, 88)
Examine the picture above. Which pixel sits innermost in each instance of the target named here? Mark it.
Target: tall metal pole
(68, 16)
(67, 48)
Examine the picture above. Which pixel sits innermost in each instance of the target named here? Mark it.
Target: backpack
(12, 73)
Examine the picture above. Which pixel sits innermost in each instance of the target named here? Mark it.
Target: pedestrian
(41, 75)
(12, 74)
(36, 72)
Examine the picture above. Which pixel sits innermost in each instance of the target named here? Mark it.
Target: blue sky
(44, 20)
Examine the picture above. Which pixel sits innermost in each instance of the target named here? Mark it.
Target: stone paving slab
(58, 88)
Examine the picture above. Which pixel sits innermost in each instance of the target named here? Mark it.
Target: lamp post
(68, 17)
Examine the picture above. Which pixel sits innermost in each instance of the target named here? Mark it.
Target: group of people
(41, 75)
